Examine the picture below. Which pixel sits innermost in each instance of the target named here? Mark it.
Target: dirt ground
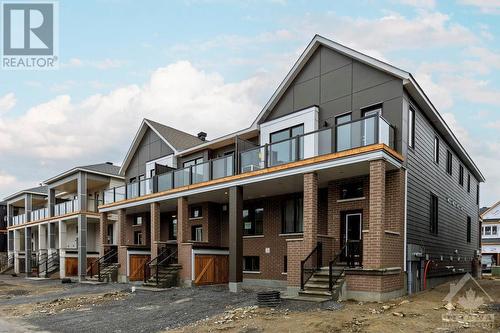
(49, 306)
(419, 313)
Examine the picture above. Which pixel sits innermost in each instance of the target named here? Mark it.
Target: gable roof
(105, 169)
(174, 138)
(492, 213)
(38, 190)
(409, 83)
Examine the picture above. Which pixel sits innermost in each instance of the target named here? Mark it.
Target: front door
(352, 229)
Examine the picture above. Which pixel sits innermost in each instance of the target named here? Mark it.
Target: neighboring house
(3, 234)
(490, 232)
(348, 162)
(57, 224)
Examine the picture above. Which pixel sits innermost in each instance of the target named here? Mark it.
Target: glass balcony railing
(39, 214)
(66, 207)
(354, 134)
(18, 219)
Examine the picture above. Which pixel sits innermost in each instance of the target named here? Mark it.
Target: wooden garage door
(71, 266)
(136, 266)
(211, 269)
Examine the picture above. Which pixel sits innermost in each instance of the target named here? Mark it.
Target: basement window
(251, 264)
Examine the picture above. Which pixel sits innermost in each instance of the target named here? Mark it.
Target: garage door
(211, 269)
(136, 266)
(71, 266)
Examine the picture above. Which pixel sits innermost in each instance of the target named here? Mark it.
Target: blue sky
(215, 64)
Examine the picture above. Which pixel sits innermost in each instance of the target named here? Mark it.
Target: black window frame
(468, 183)
(290, 131)
(477, 194)
(172, 227)
(469, 229)
(449, 162)
(192, 209)
(434, 214)
(257, 226)
(251, 263)
(436, 150)
(285, 264)
(411, 128)
(194, 161)
(138, 221)
(355, 194)
(461, 175)
(138, 233)
(193, 232)
(298, 215)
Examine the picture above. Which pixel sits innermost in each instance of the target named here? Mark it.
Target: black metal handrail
(48, 261)
(350, 258)
(111, 257)
(314, 260)
(156, 262)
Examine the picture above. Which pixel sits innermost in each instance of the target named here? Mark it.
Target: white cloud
(7, 102)
(6, 180)
(418, 3)
(485, 6)
(179, 95)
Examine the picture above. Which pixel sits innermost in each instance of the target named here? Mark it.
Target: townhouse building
(490, 233)
(53, 228)
(3, 235)
(348, 180)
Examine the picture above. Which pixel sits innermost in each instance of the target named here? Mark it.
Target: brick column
(373, 239)
(183, 235)
(27, 251)
(155, 228)
(103, 238)
(235, 238)
(122, 249)
(310, 210)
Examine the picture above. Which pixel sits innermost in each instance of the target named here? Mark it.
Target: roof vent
(109, 163)
(202, 136)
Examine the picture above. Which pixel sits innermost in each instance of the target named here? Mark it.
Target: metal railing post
(266, 156)
(302, 274)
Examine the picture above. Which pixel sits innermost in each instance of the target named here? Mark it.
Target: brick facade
(155, 228)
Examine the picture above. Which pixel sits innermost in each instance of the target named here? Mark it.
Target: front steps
(317, 287)
(168, 276)
(108, 274)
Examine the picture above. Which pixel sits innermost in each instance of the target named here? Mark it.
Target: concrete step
(316, 293)
(308, 298)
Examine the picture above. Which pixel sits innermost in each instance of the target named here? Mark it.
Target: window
(343, 132)
(468, 183)
(138, 220)
(251, 263)
(461, 175)
(253, 217)
(138, 237)
(434, 214)
(469, 229)
(197, 233)
(487, 231)
(287, 133)
(110, 234)
(371, 110)
(352, 191)
(292, 215)
(285, 264)
(477, 193)
(449, 162)
(172, 228)
(436, 150)
(195, 212)
(411, 128)
(192, 162)
(494, 230)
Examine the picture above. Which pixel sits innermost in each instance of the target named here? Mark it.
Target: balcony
(39, 214)
(354, 134)
(18, 219)
(66, 207)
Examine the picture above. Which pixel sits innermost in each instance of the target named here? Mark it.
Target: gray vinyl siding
(339, 84)
(424, 177)
(150, 148)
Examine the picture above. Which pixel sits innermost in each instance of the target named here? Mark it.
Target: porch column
(373, 237)
(310, 210)
(103, 239)
(27, 251)
(52, 235)
(42, 237)
(183, 247)
(235, 238)
(82, 226)
(155, 228)
(16, 243)
(122, 244)
(52, 201)
(62, 248)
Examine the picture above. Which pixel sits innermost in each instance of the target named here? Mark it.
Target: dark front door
(352, 227)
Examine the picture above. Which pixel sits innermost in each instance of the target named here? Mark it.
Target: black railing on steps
(351, 251)
(164, 259)
(48, 262)
(97, 266)
(311, 264)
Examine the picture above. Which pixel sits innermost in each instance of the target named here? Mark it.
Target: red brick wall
(155, 228)
(375, 283)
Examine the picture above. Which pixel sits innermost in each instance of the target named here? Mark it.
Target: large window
(287, 133)
(436, 150)
(172, 228)
(449, 162)
(461, 175)
(411, 128)
(434, 214)
(251, 264)
(469, 229)
(253, 220)
(292, 215)
(351, 191)
(197, 233)
(343, 132)
(192, 162)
